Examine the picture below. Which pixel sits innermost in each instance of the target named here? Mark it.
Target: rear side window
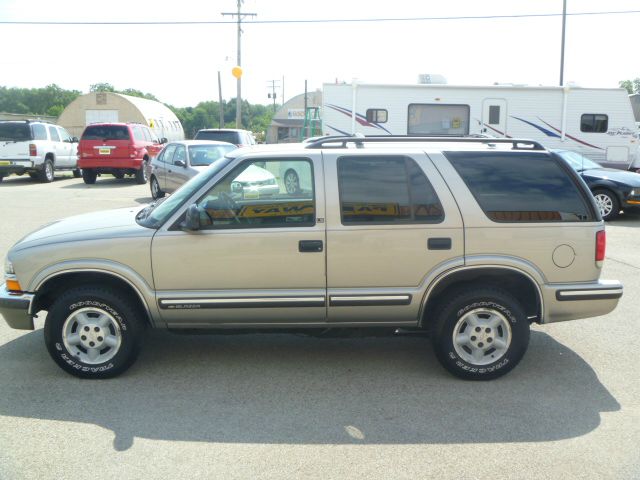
(16, 132)
(138, 134)
(385, 190)
(523, 187)
(54, 134)
(106, 132)
(39, 132)
(230, 137)
(594, 122)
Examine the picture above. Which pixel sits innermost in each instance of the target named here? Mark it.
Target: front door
(494, 117)
(258, 257)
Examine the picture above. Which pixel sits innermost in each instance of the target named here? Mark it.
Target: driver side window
(261, 194)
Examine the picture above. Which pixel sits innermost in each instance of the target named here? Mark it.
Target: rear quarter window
(522, 187)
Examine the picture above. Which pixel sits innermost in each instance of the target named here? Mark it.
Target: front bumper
(572, 301)
(15, 308)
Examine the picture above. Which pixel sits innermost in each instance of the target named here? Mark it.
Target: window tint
(592, 122)
(106, 132)
(386, 190)
(377, 115)
(523, 187)
(427, 119)
(17, 132)
(39, 132)
(255, 195)
(167, 153)
(53, 132)
(180, 155)
(64, 135)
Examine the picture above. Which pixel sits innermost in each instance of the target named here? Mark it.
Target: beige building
(107, 107)
(287, 124)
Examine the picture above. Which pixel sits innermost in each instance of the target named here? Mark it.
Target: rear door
(177, 175)
(106, 143)
(394, 228)
(161, 164)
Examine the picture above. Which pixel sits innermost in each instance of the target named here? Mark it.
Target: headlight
(8, 267)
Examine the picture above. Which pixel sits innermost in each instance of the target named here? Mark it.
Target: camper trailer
(597, 122)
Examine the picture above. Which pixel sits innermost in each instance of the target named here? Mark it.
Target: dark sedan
(614, 190)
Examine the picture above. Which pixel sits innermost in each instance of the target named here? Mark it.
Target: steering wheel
(230, 204)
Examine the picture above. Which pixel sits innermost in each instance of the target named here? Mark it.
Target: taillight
(601, 245)
(132, 151)
(33, 150)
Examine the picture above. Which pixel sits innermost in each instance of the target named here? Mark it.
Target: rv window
(595, 123)
(494, 115)
(377, 115)
(429, 119)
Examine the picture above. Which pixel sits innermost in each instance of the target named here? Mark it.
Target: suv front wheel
(480, 333)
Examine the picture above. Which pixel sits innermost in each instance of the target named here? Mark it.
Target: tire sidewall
(121, 312)
(451, 314)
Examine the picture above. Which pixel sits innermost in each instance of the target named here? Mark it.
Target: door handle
(439, 244)
(310, 246)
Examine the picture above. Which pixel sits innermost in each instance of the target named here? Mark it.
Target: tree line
(52, 100)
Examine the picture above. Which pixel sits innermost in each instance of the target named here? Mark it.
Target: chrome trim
(240, 302)
(372, 300)
(595, 294)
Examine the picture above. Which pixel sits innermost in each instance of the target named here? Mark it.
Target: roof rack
(360, 140)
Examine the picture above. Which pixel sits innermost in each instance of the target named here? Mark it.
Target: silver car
(180, 161)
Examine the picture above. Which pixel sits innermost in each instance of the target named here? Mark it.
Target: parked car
(614, 190)
(118, 149)
(37, 148)
(179, 161)
(451, 237)
(240, 138)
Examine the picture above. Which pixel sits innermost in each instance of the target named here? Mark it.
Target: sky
(179, 64)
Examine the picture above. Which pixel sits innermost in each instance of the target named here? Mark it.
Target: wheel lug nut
(83, 337)
(86, 329)
(487, 330)
(100, 339)
(91, 344)
(481, 344)
(96, 329)
(478, 329)
(489, 340)
(473, 338)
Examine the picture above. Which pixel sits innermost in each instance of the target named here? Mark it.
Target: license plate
(104, 151)
(5, 162)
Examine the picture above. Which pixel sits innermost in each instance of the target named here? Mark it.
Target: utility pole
(273, 85)
(564, 24)
(241, 16)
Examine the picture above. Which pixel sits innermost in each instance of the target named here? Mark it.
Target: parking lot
(284, 406)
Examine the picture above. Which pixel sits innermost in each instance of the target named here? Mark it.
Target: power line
(326, 20)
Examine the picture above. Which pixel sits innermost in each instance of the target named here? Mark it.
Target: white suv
(37, 148)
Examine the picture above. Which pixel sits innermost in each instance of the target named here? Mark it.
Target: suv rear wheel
(141, 174)
(93, 332)
(89, 176)
(46, 175)
(481, 333)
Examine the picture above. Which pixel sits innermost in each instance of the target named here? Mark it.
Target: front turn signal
(13, 285)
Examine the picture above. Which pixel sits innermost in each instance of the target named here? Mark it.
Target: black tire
(607, 203)
(482, 306)
(89, 176)
(156, 191)
(291, 181)
(77, 173)
(141, 174)
(46, 175)
(93, 305)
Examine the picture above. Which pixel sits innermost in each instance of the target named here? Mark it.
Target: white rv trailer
(597, 122)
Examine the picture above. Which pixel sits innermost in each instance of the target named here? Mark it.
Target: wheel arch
(516, 282)
(52, 286)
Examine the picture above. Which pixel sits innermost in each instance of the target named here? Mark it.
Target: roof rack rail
(359, 141)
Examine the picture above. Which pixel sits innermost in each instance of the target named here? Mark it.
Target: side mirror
(236, 187)
(192, 219)
(163, 140)
(74, 140)
(180, 163)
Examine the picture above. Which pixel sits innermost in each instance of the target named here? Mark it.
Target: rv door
(494, 117)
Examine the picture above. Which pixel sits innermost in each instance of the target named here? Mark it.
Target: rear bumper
(15, 308)
(107, 164)
(572, 301)
(17, 166)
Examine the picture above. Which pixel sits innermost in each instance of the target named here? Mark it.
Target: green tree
(101, 87)
(632, 86)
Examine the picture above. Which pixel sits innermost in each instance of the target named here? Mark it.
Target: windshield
(106, 132)
(578, 162)
(154, 215)
(202, 155)
(14, 132)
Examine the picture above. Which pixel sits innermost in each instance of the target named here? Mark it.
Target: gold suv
(470, 240)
